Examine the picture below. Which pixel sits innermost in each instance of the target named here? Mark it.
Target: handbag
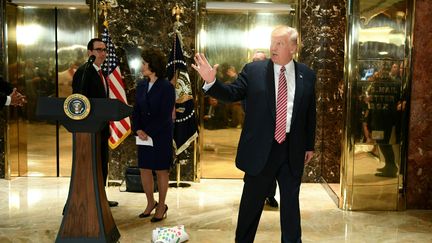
(132, 177)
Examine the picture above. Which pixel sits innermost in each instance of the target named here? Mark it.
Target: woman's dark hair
(156, 60)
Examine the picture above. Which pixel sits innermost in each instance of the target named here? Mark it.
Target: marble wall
(322, 30)
(419, 169)
(146, 24)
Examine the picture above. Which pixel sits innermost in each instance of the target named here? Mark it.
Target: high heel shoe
(154, 219)
(145, 215)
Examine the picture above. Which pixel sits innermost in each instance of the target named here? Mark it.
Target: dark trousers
(272, 191)
(256, 189)
(387, 151)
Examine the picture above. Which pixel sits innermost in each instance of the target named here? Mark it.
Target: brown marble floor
(30, 211)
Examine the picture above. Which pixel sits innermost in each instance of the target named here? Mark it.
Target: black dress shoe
(271, 201)
(385, 174)
(381, 169)
(112, 203)
(154, 219)
(388, 170)
(145, 215)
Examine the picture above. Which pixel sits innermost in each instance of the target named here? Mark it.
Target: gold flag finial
(177, 11)
(104, 7)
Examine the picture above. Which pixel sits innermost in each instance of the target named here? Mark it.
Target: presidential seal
(76, 106)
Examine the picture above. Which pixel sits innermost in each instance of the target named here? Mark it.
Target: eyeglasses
(100, 50)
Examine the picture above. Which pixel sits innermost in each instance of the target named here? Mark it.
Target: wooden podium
(87, 216)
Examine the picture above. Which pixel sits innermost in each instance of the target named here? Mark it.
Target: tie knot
(282, 69)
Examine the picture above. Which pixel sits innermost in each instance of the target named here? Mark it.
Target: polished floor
(30, 211)
(218, 158)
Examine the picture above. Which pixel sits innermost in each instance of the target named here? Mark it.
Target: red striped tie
(103, 79)
(281, 107)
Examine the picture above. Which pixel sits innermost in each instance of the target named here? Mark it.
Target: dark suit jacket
(153, 114)
(92, 85)
(5, 90)
(255, 84)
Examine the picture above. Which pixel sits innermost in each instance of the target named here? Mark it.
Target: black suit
(259, 155)
(92, 87)
(5, 90)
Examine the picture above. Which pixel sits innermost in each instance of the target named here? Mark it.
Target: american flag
(119, 129)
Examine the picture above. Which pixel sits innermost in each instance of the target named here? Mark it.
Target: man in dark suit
(90, 81)
(278, 135)
(270, 199)
(9, 95)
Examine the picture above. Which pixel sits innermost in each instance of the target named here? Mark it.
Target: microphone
(89, 62)
(91, 59)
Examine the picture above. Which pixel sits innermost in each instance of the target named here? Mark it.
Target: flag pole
(177, 11)
(119, 130)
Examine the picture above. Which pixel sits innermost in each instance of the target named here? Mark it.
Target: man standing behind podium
(94, 85)
(278, 134)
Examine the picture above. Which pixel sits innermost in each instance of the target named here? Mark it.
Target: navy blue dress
(153, 114)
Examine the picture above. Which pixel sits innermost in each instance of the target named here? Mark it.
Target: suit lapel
(153, 92)
(271, 95)
(154, 88)
(298, 90)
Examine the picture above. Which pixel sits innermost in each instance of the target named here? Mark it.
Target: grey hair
(284, 29)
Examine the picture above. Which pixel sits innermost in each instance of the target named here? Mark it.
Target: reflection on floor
(37, 150)
(30, 211)
(367, 190)
(218, 155)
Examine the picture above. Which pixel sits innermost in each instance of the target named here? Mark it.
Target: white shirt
(96, 67)
(290, 77)
(207, 86)
(8, 100)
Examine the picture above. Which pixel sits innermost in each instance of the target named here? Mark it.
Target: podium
(87, 216)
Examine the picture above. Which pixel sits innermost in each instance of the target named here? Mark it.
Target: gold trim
(77, 106)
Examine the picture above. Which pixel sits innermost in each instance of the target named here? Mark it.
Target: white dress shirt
(8, 100)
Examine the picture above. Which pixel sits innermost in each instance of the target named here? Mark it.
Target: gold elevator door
(45, 46)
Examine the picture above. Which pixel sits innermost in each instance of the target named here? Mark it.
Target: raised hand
(17, 99)
(207, 72)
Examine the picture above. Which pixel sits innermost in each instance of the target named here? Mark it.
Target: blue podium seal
(76, 106)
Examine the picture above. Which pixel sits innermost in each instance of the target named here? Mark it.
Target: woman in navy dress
(152, 118)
